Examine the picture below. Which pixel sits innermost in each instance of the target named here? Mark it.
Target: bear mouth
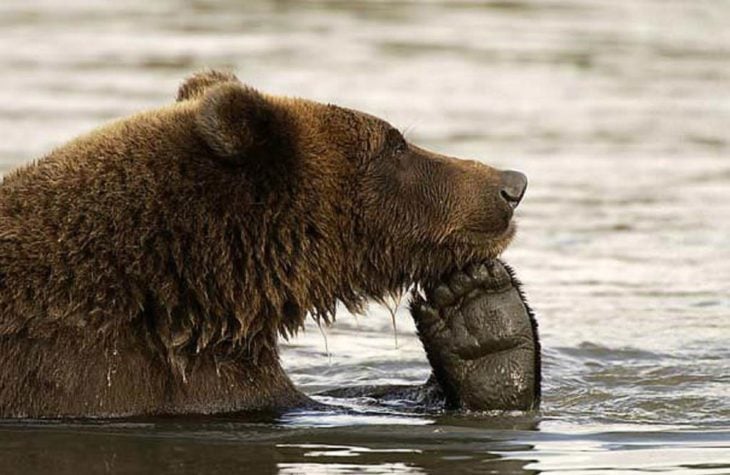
(493, 243)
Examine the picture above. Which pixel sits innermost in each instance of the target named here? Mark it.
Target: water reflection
(215, 446)
(342, 468)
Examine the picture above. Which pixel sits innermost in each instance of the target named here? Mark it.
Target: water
(617, 111)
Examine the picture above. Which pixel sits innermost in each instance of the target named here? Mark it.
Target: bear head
(359, 209)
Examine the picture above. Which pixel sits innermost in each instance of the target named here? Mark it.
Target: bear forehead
(334, 123)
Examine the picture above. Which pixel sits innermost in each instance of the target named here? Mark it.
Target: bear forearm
(481, 340)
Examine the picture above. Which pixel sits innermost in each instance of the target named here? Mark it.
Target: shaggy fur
(150, 266)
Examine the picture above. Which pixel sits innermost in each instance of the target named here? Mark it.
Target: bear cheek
(479, 210)
(492, 217)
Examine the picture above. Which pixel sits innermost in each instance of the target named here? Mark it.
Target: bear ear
(234, 118)
(196, 85)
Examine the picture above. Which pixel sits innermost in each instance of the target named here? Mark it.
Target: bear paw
(480, 338)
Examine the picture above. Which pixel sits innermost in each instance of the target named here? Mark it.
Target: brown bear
(150, 266)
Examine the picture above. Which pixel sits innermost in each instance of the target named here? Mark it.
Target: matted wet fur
(149, 266)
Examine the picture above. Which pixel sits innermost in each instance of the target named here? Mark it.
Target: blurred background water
(617, 111)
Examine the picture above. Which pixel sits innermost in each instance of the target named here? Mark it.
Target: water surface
(617, 111)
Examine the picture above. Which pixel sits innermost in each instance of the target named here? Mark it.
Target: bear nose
(513, 189)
